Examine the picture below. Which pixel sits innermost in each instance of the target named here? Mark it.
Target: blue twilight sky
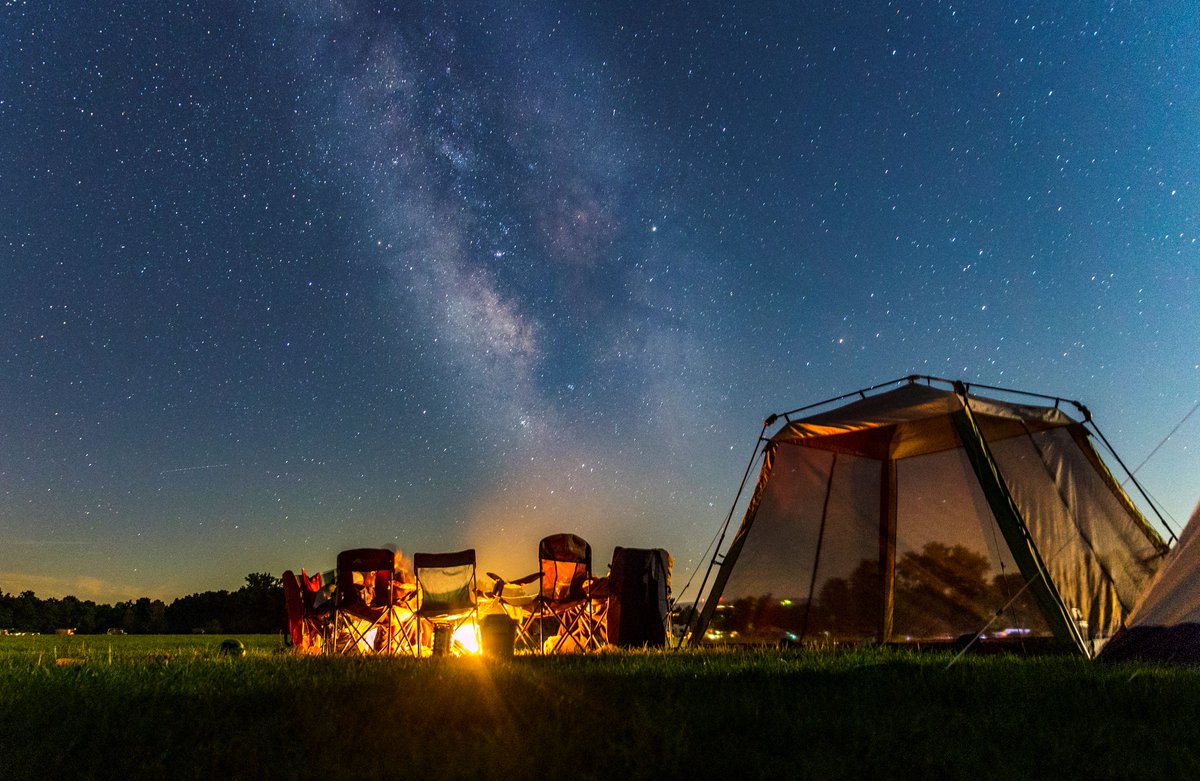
(279, 278)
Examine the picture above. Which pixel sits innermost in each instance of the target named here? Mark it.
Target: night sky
(283, 278)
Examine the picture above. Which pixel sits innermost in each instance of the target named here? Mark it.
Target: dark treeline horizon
(255, 608)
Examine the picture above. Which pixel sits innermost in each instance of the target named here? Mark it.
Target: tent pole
(735, 547)
(861, 393)
(1012, 525)
(692, 623)
(1137, 484)
(812, 582)
(887, 547)
(929, 380)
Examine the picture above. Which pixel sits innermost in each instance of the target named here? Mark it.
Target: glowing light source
(466, 639)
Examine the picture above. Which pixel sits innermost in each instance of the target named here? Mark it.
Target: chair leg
(524, 638)
(400, 627)
(569, 622)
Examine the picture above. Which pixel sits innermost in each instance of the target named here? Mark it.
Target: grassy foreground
(130, 707)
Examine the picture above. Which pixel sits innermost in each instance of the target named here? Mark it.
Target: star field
(281, 278)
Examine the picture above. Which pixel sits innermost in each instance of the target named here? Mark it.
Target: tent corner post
(1014, 529)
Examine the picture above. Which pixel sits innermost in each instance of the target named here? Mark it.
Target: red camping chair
(306, 624)
(310, 592)
(568, 599)
(447, 599)
(294, 603)
(371, 612)
(318, 604)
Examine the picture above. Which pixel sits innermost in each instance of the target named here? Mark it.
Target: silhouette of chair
(371, 612)
(316, 595)
(568, 599)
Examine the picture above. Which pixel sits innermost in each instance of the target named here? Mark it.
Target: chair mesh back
(566, 562)
(310, 587)
(565, 547)
(446, 581)
(364, 578)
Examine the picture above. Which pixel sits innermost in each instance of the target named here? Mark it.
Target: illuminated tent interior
(1165, 625)
(924, 514)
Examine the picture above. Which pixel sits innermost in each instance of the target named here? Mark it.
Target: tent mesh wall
(817, 558)
(1097, 556)
(796, 577)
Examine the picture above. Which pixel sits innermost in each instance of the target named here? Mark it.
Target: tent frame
(1004, 509)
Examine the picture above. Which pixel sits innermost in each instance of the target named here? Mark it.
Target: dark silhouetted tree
(256, 608)
(943, 591)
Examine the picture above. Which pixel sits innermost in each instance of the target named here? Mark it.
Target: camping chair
(305, 626)
(317, 596)
(293, 602)
(370, 615)
(567, 598)
(510, 596)
(446, 599)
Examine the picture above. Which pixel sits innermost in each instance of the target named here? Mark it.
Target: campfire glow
(466, 639)
(381, 610)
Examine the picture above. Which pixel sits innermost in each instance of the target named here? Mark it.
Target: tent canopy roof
(912, 420)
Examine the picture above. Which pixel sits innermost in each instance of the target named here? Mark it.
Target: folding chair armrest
(498, 583)
(518, 582)
(598, 588)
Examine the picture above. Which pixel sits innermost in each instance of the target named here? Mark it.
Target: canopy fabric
(1165, 625)
(910, 421)
(1174, 596)
(876, 522)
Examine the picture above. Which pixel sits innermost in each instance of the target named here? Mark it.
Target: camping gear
(371, 614)
(293, 601)
(498, 634)
(510, 596)
(447, 596)
(1165, 625)
(640, 593)
(567, 600)
(306, 627)
(925, 514)
(232, 647)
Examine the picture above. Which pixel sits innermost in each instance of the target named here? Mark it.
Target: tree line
(255, 608)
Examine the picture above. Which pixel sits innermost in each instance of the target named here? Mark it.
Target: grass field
(155, 707)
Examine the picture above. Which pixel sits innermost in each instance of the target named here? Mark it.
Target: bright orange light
(466, 638)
